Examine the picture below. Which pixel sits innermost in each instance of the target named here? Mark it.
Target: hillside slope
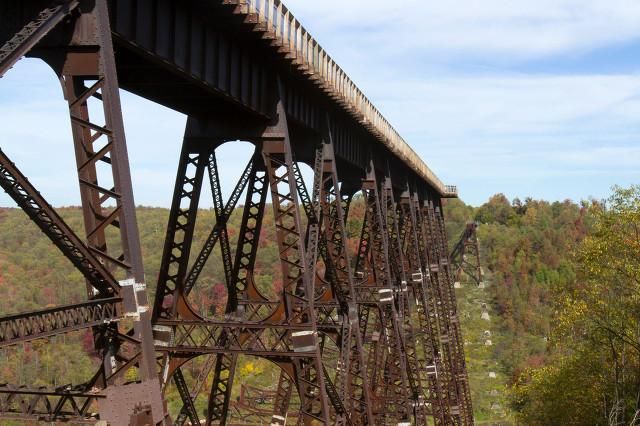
(525, 250)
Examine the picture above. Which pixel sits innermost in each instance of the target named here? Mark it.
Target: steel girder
(49, 405)
(31, 33)
(28, 326)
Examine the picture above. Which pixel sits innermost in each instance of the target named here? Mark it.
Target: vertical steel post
(298, 290)
(356, 392)
(397, 382)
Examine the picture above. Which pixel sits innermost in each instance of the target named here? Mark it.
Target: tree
(596, 340)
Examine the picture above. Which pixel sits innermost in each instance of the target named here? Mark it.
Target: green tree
(596, 338)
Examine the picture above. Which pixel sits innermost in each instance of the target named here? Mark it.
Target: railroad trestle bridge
(367, 339)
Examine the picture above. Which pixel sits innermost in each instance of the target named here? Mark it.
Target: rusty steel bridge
(371, 338)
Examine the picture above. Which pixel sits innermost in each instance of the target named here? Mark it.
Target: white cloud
(547, 136)
(503, 106)
(518, 28)
(441, 72)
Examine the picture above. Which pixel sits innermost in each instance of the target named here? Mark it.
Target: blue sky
(533, 98)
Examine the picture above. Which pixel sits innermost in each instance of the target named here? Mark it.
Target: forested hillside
(33, 274)
(563, 279)
(559, 343)
(526, 251)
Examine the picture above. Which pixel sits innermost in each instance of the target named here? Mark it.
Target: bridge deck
(219, 46)
(190, 55)
(294, 42)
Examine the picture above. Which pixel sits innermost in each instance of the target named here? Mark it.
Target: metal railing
(309, 53)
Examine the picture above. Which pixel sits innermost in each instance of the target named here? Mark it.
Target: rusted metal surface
(34, 31)
(28, 326)
(50, 405)
(132, 404)
(376, 341)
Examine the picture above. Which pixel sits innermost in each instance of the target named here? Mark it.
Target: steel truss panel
(49, 405)
(387, 355)
(34, 31)
(63, 319)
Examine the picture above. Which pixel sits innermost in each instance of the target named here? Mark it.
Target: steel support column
(83, 57)
(354, 382)
(298, 293)
(390, 377)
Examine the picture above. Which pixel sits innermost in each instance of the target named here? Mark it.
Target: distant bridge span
(240, 70)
